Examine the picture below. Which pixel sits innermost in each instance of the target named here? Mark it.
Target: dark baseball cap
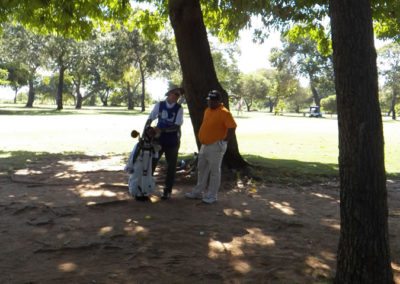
(214, 95)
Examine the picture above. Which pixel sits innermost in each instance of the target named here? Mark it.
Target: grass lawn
(303, 144)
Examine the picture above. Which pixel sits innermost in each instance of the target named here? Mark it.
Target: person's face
(213, 104)
(173, 97)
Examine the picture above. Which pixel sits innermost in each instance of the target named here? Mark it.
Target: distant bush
(329, 104)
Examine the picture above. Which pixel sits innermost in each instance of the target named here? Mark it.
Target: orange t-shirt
(215, 125)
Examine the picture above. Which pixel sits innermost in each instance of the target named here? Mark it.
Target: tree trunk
(79, 98)
(130, 96)
(271, 105)
(31, 93)
(363, 252)
(15, 95)
(198, 71)
(316, 97)
(143, 80)
(104, 98)
(393, 103)
(60, 87)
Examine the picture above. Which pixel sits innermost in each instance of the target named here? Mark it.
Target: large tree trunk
(363, 251)
(198, 71)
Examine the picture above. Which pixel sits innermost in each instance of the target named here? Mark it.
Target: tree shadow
(72, 218)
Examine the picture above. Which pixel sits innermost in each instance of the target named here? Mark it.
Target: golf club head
(135, 134)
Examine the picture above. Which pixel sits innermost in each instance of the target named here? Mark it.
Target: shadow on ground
(69, 219)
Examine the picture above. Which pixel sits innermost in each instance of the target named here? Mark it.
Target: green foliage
(47, 89)
(147, 22)
(389, 61)
(305, 54)
(280, 107)
(387, 19)
(117, 98)
(4, 77)
(223, 18)
(65, 18)
(253, 88)
(316, 35)
(17, 75)
(299, 100)
(329, 104)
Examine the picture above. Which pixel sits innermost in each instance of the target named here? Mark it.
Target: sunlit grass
(289, 147)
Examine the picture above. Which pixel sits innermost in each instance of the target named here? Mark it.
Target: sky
(253, 55)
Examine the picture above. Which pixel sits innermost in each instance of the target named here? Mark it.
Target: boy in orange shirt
(217, 128)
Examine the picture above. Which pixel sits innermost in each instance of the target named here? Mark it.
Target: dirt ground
(72, 221)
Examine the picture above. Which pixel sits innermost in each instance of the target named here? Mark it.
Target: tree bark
(31, 93)
(79, 98)
(316, 97)
(199, 76)
(143, 80)
(363, 252)
(393, 103)
(60, 87)
(15, 95)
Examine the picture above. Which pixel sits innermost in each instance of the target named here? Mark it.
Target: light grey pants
(209, 169)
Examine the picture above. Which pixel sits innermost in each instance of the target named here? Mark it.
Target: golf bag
(141, 182)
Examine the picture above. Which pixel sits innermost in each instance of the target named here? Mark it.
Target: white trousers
(209, 169)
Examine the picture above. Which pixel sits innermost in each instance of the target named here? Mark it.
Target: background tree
(299, 99)
(284, 86)
(253, 88)
(79, 67)
(17, 77)
(24, 49)
(306, 56)
(390, 71)
(60, 51)
(226, 68)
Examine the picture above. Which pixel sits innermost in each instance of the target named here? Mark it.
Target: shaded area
(71, 219)
(293, 171)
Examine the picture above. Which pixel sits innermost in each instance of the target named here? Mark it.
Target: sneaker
(166, 195)
(209, 200)
(192, 195)
(142, 198)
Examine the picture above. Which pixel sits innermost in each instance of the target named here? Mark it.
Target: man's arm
(229, 135)
(153, 115)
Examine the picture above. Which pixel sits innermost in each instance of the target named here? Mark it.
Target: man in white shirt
(170, 118)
